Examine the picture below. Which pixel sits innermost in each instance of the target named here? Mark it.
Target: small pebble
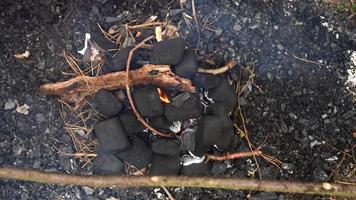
(40, 118)
(9, 105)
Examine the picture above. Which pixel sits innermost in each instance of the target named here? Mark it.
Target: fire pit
(161, 112)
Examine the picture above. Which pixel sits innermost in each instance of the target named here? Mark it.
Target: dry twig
(231, 156)
(178, 181)
(219, 70)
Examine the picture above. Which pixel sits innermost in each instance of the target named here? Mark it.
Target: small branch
(233, 155)
(128, 91)
(178, 181)
(145, 25)
(76, 89)
(220, 70)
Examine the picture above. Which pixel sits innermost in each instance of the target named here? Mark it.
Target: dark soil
(304, 108)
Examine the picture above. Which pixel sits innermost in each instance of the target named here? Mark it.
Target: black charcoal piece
(164, 146)
(180, 99)
(160, 123)
(107, 103)
(200, 150)
(188, 66)
(209, 131)
(116, 63)
(148, 102)
(196, 169)
(111, 135)
(130, 123)
(191, 108)
(139, 154)
(102, 41)
(165, 165)
(187, 141)
(206, 81)
(108, 164)
(225, 138)
(224, 93)
(168, 52)
(218, 109)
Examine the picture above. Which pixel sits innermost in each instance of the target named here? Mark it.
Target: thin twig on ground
(231, 156)
(219, 70)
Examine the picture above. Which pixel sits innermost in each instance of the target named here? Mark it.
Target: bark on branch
(178, 181)
(76, 89)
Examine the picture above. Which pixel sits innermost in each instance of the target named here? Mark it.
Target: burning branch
(76, 89)
(178, 181)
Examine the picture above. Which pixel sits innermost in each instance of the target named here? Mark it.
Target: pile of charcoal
(198, 122)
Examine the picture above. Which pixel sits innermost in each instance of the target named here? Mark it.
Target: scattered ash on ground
(306, 109)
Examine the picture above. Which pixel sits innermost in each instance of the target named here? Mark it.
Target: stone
(139, 154)
(111, 135)
(225, 139)
(106, 103)
(168, 52)
(9, 105)
(188, 66)
(88, 190)
(165, 146)
(209, 130)
(108, 164)
(147, 101)
(165, 165)
(40, 118)
(206, 81)
(130, 123)
(224, 93)
(192, 108)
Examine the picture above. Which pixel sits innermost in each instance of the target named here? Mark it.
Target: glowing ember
(163, 96)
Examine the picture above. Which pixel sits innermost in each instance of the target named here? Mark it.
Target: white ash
(191, 159)
(176, 126)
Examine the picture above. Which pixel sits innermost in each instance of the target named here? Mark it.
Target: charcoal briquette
(102, 41)
(139, 154)
(196, 169)
(209, 130)
(106, 103)
(148, 102)
(160, 123)
(116, 63)
(225, 138)
(130, 123)
(164, 146)
(218, 109)
(191, 108)
(224, 93)
(206, 81)
(108, 164)
(168, 52)
(188, 66)
(165, 165)
(111, 135)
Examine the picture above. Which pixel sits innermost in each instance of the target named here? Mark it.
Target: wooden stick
(76, 89)
(220, 70)
(232, 156)
(178, 181)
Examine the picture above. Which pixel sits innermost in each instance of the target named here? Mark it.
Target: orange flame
(163, 96)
